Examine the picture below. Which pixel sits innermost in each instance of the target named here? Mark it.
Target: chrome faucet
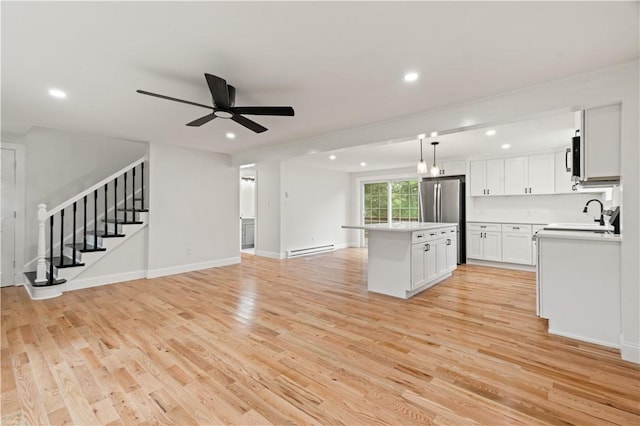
(586, 206)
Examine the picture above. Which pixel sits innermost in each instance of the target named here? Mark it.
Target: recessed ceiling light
(506, 146)
(57, 93)
(231, 135)
(411, 76)
(245, 166)
(434, 134)
(490, 132)
(363, 164)
(332, 157)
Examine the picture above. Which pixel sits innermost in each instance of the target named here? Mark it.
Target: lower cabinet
(433, 258)
(516, 244)
(502, 242)
(484, 241)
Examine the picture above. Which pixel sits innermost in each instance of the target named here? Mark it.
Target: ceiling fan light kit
(224, 99)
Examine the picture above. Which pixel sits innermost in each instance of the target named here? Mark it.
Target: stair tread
(80, 247)
(122, 221)
(31, 276)
(131, 209)
(103, 234)
(67, 262)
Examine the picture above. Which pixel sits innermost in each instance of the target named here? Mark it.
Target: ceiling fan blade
(264, 110)
(252, 125)
(232, 95)
(143, 92)
(202, 120)
(219, 90)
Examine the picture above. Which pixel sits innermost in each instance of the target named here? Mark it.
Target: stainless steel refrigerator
(442, 199)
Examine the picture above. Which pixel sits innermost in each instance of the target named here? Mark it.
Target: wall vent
(310, 250)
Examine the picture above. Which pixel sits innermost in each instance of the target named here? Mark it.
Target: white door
(418, 276)
(453, 168)
(563, 184)
(7, 218)
(541, 172)
(477, 171)
(452, 253)
(516, 173)
(516, 248)
(495, 177)
(474, 245)
(430, 261)
(492, 243)
(441, 255)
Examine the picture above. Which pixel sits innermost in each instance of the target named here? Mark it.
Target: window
(390, 201)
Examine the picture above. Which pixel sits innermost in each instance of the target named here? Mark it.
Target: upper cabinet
(451, 168)
(533, 174)
(601, 129)
(486, 177)
(564, 184)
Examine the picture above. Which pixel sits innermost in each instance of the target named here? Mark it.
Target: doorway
(8, 218)
(247, 210)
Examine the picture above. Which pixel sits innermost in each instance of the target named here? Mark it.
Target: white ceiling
(547, 133)
(339, 64)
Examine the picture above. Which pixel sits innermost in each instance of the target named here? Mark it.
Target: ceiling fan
(224, 99)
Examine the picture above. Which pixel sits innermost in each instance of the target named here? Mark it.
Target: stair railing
(42, 275)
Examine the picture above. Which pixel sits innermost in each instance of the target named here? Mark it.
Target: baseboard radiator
(310, 250)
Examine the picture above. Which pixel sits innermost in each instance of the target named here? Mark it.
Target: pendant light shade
(435, 170)
(422, 165)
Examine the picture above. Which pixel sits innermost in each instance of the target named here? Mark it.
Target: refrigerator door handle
(435, 202)
(439, 203)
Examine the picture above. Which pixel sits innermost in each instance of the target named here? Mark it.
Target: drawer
(484, 227)
(445, 232)
(516, 228)
(421, 236)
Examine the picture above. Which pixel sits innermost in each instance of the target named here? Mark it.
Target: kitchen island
(406, 258)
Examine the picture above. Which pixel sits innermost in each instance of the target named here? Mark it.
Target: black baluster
(115, 206)
(51, 249)
(61, 236)
(142, 184)
(134, 194)
(125, 196)
(84, 229)
(73, 247)
(105, 210)
(95, 219)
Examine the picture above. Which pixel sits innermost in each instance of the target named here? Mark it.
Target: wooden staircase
(96, 221)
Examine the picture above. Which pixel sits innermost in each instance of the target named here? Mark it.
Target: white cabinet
(449, 168)
(516, 244)
(430, 261)
(418, 276)
(486, 177)
(601, 129)
(484, 241)
(563, 184)
(433, 255)
(452, 252)
(534, 243)
(529, 175)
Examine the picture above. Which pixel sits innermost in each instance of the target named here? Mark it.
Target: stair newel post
(134, 194)
(61, 236)
(115, 205)
(84, 228)
(73, 245)
(51, 279)
(41, 265)
(142, 183)
(125, 196)
(95, 219)
(106, 229)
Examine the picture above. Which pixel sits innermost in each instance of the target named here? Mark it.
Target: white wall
(268, 208)
(247, 198)
(316, 203)
(193, 210)
(59, 165)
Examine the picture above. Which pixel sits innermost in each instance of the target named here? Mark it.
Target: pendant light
(435, 170)
(422, 165)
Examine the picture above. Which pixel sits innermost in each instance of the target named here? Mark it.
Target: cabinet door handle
(529, 190)
(515, 227)
(488, 191)
(448, 242)
(483, 226)
(427, 247)
(566, 160)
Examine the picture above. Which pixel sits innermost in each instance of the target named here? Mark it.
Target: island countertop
(401, 226)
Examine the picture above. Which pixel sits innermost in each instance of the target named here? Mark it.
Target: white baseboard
(504, 265)
(180, 269)
(103, 280)
(630, 351)
(43, 293)
(271, 254)
(585, 339)
(342, 246)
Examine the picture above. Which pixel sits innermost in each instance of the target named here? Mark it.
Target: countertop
(401, 226)
(580, 235)
(515, 222)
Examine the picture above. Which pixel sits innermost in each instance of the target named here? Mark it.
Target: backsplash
(534, 209)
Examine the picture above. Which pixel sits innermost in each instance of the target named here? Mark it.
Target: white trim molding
(271, 254)
(104, 280)
(180, 269)
(629, 351)
(585, 339)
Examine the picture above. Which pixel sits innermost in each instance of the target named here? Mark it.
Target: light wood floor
(302, 341)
